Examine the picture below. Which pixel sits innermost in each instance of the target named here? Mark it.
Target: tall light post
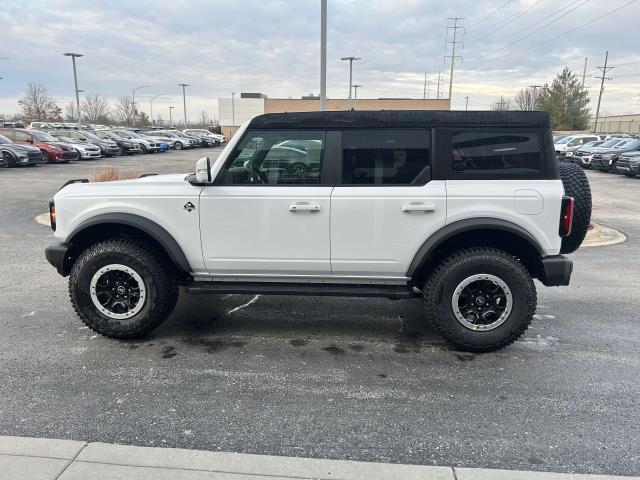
(355, 91)
(184, 101)
(75, 80)
(466, 104)
(133, 101)
(233, 109)
(151, 107)
(350, 59)
(323, 55)
(170, 117)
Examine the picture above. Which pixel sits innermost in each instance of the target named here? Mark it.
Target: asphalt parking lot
(339, 378)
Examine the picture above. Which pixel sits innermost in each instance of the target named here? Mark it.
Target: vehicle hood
(19, 149)
(61, 145)
(633, 154)
(607, 151)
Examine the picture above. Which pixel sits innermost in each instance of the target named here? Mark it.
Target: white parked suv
(463, 209)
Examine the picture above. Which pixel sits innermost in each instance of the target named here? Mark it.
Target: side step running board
(317, 289)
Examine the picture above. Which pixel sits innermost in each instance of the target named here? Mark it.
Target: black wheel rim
(482, 302)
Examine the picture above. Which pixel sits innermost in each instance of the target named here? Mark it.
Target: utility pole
(170, 116)
(534, 98)
(355, 91)
(75, 81)
(424, 89)
(184, 101)
(323, 55)
(584, 70)
(466, 104)
(350, 59)
(438, 92)
(604, 69)
(453, 50)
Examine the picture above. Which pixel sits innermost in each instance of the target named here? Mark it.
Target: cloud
(272, 46)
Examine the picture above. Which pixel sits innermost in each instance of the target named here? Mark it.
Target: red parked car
(52, 149)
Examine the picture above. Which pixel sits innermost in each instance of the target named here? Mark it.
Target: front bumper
(29, 160)
(59, 255)
(629, 167)
(90, 154)
(556, 270)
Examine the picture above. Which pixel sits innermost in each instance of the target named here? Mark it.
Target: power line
(509, 21)
(606, 14)
(492, 13)
(543, 26)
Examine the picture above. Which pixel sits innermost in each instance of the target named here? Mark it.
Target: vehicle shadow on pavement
(294, 318)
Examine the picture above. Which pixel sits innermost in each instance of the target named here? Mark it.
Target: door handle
(304, 207)
(418, 207)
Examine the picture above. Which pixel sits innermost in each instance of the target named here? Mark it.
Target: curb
(49, 459)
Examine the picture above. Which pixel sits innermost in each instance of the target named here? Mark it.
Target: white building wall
(245, 109)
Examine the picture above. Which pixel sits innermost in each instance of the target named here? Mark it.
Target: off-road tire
(157, 273)
(440, 286)
(576, 185)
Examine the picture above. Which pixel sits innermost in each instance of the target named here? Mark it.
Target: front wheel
(630, 175)
(121, 288)
(177, 146)
(7, 160)
(46, 158)
(480, 299)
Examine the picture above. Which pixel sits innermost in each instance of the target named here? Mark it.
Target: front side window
(478, 152)
(386, 157)
(271, 157)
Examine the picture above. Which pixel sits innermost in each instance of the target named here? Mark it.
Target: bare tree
(125, 110)
(502, 104)
(95, 109)
(204, 119)
(70, 112)
(527, 99)
(37, 105)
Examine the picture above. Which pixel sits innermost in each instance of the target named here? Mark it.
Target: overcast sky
(272, 46)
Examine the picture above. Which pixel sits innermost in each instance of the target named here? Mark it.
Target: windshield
(610, 143)
(632, 145)
(591, 144)
(122, 134)
(4, 140)
(43, 137)
(564, 140)
(62, 138)
(90, 136)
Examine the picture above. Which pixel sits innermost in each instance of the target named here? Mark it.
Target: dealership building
(238, 109)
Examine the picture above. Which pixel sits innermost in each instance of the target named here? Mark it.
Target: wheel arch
(109, 225)
(490, 232)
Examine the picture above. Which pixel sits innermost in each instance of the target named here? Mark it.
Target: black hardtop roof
(399, 119)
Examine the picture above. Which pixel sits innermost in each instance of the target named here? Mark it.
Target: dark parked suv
(52, 149)
(606, 160)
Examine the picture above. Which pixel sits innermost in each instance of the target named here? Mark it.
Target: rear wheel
(121, 288)
(480, 299)
(576, 185)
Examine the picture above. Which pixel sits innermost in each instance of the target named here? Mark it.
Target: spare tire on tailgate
(576, 185)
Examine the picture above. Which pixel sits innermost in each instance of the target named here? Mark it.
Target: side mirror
(203, 170)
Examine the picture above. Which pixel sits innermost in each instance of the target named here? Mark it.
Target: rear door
(267, 214)
(386, 203)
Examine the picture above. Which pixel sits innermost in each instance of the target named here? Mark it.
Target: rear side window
(22, 137)
(386, 157)
(477, 152)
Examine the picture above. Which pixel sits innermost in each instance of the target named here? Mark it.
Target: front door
(386, 204)
(267, 214)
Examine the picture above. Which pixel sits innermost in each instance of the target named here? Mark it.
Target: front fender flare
(155, 231)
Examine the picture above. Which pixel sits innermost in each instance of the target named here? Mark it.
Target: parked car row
(30, 146)
(619, 153)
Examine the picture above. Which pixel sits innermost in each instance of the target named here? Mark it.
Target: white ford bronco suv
(464, 209)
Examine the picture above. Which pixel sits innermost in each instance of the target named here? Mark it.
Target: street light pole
(466, 105)
(350, 59)
(355, 91)
(184, 101)
(170, 117)
(323, 55)
(133, 102)
(151, 107)
(75, 80)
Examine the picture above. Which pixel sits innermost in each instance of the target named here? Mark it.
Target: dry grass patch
(110, 174)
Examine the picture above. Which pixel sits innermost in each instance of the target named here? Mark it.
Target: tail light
(52, 214)
(566, 216)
